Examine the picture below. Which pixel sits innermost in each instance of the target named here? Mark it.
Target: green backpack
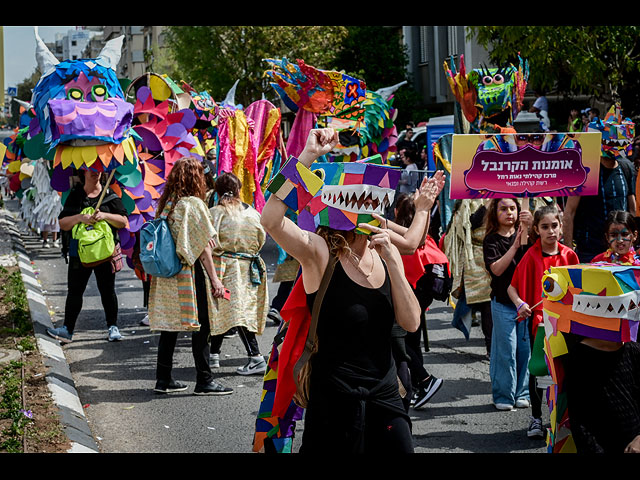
(96, 242)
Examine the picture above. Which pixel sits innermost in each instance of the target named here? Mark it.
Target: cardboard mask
(80, 104)
(323, 92)
(339, 195)
(617, 132)
(596, 301)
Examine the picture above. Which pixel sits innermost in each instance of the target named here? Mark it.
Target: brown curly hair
(186, 179)
(337, 240)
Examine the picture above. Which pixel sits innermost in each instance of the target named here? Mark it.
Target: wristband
(520, 306)
(295, 185)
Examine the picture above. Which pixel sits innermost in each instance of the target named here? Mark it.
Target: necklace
(357, 264)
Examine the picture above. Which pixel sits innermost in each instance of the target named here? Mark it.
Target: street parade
(319, 267)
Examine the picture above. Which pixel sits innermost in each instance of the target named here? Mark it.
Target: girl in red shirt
(525, 290)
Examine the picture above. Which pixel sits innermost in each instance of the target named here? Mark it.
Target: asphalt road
(115, 381)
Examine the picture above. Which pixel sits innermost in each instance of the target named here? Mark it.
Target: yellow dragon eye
(98, 93)
(75, 94)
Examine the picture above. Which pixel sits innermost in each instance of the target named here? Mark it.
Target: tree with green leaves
(600, 61)
(212, 58)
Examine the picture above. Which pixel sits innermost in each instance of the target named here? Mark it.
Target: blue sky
(20, 50)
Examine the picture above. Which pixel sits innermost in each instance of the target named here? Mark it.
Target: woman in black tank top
(354, 402)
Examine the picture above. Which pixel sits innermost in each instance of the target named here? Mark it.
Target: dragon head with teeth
(599, 301)
(346, 193)
(617, 132)
(351, 193)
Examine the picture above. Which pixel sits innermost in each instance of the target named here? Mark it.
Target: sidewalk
(59, 379)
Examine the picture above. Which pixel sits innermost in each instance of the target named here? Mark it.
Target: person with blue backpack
(181, 302)
(110, 217)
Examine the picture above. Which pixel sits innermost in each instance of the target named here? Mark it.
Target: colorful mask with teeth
(338, 195)
(617, 132)
(597, 301)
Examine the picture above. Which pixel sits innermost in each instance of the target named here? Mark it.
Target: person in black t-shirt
(86, 194)
(510, 348)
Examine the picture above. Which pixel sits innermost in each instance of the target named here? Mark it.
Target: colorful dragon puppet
(338, 195)
(312, 93)
(617, 132)
(489, 97)
(599, 301)
(81, 112)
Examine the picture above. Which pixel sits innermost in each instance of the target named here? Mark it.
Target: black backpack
(435, 284)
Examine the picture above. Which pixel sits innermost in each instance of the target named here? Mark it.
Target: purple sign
(524, 165)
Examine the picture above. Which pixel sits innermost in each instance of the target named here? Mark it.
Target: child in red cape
(525, 290)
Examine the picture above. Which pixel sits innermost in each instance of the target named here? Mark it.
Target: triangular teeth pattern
(347, 197)
(621, 306)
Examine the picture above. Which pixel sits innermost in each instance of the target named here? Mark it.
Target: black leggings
(77, 279)
(284, 289)
(248, 340)
(199, 339)
(416, 364)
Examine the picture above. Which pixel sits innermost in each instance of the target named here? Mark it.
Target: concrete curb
(59, 378)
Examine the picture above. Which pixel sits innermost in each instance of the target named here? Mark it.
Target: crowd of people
(377, 346)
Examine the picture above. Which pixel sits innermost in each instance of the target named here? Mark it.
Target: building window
(424, 45)
(452, 41)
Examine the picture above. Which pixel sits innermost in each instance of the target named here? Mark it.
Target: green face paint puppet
(489, 95)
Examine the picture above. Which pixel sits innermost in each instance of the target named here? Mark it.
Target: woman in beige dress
(243, 273)
(183, 302)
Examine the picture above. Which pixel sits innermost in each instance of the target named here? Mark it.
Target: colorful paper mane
(489, 95)
(597, 301)
(375, 133)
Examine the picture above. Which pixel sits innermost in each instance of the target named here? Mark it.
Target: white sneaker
(523, 403)
(256, 365)
(503, 406)
(214, 361)
(114, 334)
